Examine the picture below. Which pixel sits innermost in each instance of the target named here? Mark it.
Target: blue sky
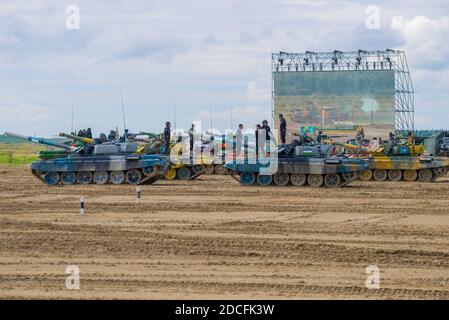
(207, 54)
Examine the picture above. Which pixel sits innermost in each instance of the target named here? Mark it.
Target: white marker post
(82, 206)
(138, 194)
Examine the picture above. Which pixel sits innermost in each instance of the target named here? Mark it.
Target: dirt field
(211, 238)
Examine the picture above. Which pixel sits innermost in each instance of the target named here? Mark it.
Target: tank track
(190, 173)
(343, 180)
(421, 175)
(145, 179)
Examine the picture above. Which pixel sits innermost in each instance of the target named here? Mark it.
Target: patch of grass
(19, 153)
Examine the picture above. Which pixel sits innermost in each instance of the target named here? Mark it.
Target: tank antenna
(232, 125)
(72, 120)
(210, 114)
(123, 115)
(174, 111)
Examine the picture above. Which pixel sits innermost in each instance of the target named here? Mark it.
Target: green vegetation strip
(19, 153)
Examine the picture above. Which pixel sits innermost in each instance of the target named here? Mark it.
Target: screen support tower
(355, 60)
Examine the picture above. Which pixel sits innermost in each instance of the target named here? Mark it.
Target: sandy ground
(212, 238)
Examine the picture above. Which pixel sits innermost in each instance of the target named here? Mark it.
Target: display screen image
(336, 102)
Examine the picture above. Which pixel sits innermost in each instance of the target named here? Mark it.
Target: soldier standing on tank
(282, 127)
(191, 132)
(410, 138)
(391, 138)
(267, 129)
(319, 137)
(360, 135)
(88, 133)
(266, 139)
(167, 133)
(374, 143)
(258, 127)
(268, 134)
(239, 140)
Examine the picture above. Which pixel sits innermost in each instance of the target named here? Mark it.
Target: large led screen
(336, 101)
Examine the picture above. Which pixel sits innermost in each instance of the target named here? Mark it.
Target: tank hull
(299, 171)
(406, 168)
(136, 169)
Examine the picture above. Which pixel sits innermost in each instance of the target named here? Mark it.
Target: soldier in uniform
(360, 135)
(167, 133)
(112, 135)
(282, 127)
(258, 127)
(319, 137)
(410, 138)
(239, 140)
(88, 133)
(191, 131)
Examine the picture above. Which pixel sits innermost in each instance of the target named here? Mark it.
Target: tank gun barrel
(77, 138)
(349, 146)
(41, 141)
(140, 139)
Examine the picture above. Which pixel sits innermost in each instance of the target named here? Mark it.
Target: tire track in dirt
(213, 238)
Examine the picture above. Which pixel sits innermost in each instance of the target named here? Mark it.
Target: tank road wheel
(425, 175)
(170, 174)
(117, 177)
(315, 180)
(441, 171)
(100, 177)
(220, 169)
(298, 179)
(395, 175)
(184, 173)
(68, 178)
(51, 178)
(210, 170)
(84, 177)
(281, 179)
(264, 180)
(133, 176)
(332, 180)
(410, 175)
(149, 170)
(347, 176)
(366, 175)
(197, 168)
(247, 178)
(380, 175)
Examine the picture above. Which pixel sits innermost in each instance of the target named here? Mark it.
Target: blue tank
(299, 165)
(115, 163)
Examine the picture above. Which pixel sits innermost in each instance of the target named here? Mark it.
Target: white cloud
(249, 116)
(22, 116)
(216, 51)
(259, 92)
(426, 40)
(255, 108)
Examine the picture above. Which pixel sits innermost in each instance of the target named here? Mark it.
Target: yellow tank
(178, 168)
(399, 162)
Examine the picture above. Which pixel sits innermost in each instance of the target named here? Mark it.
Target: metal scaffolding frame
(360, 60)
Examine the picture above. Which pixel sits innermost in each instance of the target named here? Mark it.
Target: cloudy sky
(204, 54)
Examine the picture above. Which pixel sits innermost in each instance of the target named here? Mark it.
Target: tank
(301, 165)
(181, 167)
(399, 162)
(115, 163)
